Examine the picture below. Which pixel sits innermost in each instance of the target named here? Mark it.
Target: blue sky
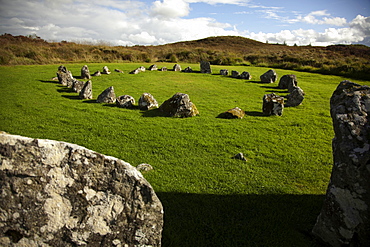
(146, 22)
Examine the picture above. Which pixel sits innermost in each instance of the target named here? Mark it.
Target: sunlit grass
(289, 157)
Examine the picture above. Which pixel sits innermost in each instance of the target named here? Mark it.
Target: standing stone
(269, 77)
(240, 156)
(97, 73)
(245, 75)
(135, 71)
(235, 74)
(224, 72)
(233, 113)
(177, 67)
(78, 85)
(119, 71)
(65, 76)
(61, 194)
(205, 67)
(125, 101)
(107, 96)
(106, 70)
(85, 72)
(86, 91)
(153, 67)
(163, 69)
(179, 105)
(273, 104)
(288, 82)
(188, 70)
(147, 102)
(295, 98)
(345, 216)
(141, 69)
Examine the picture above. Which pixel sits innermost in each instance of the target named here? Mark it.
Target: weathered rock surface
(188, 70)
(144, 167)
(153, 67)
(119, 71)
(106, 70)
(224, 72)
(233, 113)
(177, 67)
(60, 194)
(235, 74)
(85, 73)
(288, 82)
(97, 73)
(135, 71)
(147, 102)
(163, 69)
(78, 85)
(345, 216)
(179, 105)
(205, 67)
(240, 156)
(245, 75)
(125, 101)
(273, 104)
(269, 77)
(295, 98)
(65, 76)
(141, 69)
(107, 96)
(86, 91)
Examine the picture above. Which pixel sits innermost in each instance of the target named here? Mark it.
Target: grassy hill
(345, 60)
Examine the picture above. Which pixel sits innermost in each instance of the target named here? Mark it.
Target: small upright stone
(97, 73)
(273, 104)
(153, 67)
(224, 72)
(288, 82)
(233, 113)
(177, 67)
(179, 105)
(240, 156)
(144, 167)
(235, 74)
(78, 85)
(188, 70)
(296, 97)
(85, 72)
(135, 71)
(163, 69)
(86, 91)
(269, 77)
(245, 75)
(106, 70)
(107, 96)
(125, 101)
(147, 102)
(205, 67)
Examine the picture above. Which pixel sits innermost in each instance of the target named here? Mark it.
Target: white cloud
(170, 8)
(311, 18)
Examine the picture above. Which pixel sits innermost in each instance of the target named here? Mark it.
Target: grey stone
(86, 91)
(85, 73)
(269, 77)
(224, 72)
(125, 101)
(177, 67)
(188, 70)
(153, 67)
(65, 76)
(61, 194)
(147, 102)
(118, 70)
(240, 156)
(97, 73)
(179, 105)
(78, 85)
(163, 69)
(295, 98)
(233, 113)
(135, 71)
(205, 67)
(273, 104)
(141, 69)
(235, 74)
(344, 219)
(107, 96)
(288, 82)
(106, 70)
(245, 75)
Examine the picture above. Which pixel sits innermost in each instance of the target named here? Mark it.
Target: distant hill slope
(346, 60)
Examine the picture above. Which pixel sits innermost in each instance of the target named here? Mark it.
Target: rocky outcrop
(107, 96)
(205, 67)
(269, 77)
(86, 91)
(273, 104)
(147, 102)
(179, 105)
(345, 216)
(295, 98)
(60, 194)
(233, 113)
(85, 73)
(125, 101)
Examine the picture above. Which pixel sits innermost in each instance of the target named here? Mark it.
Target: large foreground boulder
(345, 216)
(272, 104)
(288, 82)
(179, 105)
(60, 194)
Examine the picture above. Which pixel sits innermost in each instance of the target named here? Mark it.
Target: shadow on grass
(256, 114)
(239, 220)
(73, 97)
(153, 113)
(54, 82)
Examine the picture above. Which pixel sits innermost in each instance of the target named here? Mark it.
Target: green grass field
(209, 198)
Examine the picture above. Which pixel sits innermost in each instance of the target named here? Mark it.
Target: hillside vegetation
(345, 60)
